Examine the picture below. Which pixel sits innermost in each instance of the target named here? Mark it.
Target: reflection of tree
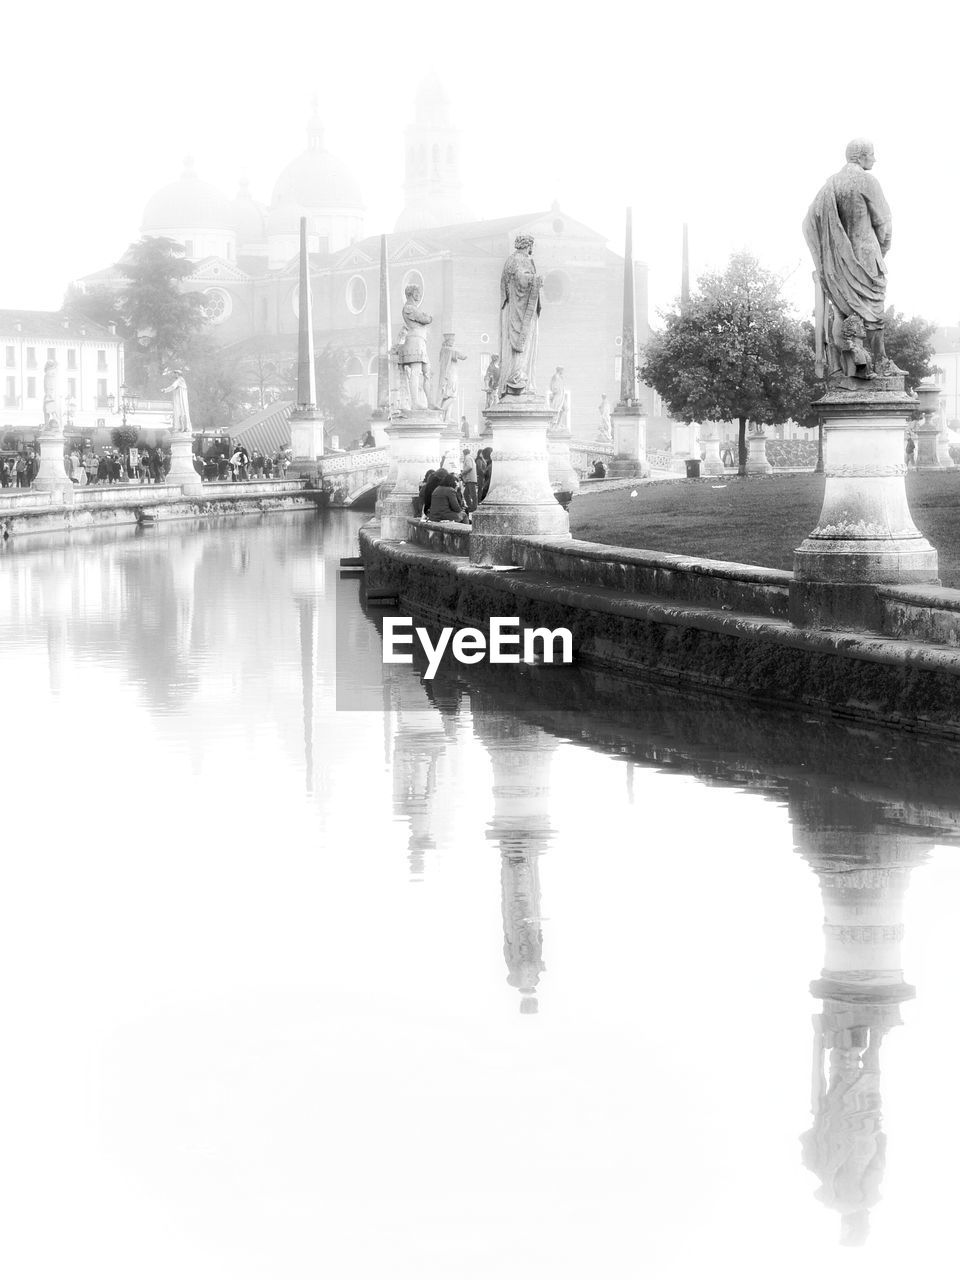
(863, 859)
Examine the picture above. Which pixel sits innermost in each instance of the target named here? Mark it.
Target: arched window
(413, 277)
(373, 366)
(356, 294)
(354, 367)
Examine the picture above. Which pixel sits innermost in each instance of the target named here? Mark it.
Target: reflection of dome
(247, 217)
(316, 179)
(189, 203)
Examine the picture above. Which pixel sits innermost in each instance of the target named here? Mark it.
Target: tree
(218, 396)
(161, 320)
(734, 351)
(909, 346)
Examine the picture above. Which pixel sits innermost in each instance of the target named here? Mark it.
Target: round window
(413, 277)
(217, 305)
(356, 294)
(618, 342)
(484, 337)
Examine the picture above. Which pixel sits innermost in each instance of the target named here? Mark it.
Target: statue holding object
(181, 403)
(51, 420)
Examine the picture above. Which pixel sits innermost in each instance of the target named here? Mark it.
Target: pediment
(215, 270)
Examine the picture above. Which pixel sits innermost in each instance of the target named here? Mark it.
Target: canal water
(312, 967)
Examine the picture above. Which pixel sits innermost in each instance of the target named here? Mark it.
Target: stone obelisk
(306, 421)
(629, 425)
(381, 415)
(685, 436)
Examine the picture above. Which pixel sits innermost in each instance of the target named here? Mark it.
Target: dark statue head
(524, 243)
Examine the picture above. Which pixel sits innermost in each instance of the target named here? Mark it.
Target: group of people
(87, 466)
(455, 495)
(243, 465)
(19, 471)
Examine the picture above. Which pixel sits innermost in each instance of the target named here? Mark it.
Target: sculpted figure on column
(181, 404)
(448, 379)
(50, 419)
(414, 361)
(519, 319)
(848, 230)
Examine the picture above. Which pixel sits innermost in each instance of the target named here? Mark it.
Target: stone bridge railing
(346, 476)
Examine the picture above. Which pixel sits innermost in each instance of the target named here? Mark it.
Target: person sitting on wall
(445, 501)
(421, 502)
(599, 471)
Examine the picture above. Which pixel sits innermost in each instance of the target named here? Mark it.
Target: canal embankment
(695, 623)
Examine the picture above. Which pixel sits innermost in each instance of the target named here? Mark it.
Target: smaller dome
(190, 204)
(248, 218)
(316, 179)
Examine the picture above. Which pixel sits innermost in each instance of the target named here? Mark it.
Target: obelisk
(685, 437)
(629, 426)
(381, 414)
(306, 421)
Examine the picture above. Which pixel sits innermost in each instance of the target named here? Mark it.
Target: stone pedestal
(520, 501)
(414, 449)
(685, 439)
(378, 429)
(630, 440)
(757, 462)
(306, 435)
(52, 476)
(712, 464)
(182, 471)
(451, 447)
(865, 534)
(563, 478)
(933, 452)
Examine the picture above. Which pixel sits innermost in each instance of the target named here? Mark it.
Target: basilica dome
(316, 179)
(190, 203)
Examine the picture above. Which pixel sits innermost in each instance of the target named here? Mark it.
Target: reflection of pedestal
(863, 865)
(865, 533)
(520, 501)
(757, 461)
(629, 442)
(52, 476)
(182, 471)
(414, 450)
(521, 758)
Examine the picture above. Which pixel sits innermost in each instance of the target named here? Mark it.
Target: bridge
(352, 478)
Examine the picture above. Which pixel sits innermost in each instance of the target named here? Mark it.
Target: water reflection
(228, 637)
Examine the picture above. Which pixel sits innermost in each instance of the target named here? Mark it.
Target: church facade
(245, 266)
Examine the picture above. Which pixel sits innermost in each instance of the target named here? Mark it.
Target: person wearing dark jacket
(427, 486)
(445, 502)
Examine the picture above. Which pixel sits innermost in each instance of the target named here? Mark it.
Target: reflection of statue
(448, 381)
(519, 320)
(848, 230)
(181, 404)
(606, 425)
(50, 417)
(414, 361)
(491, 382)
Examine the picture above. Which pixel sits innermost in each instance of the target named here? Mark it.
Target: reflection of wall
(520, 755)
(863, 865)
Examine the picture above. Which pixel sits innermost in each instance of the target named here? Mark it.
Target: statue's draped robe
(448, 379)
(181, 407)
(519, 318)
(848, 229)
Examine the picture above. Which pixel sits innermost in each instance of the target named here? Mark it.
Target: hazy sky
(728, 117)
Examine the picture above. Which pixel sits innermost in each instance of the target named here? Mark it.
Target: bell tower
(432, 164)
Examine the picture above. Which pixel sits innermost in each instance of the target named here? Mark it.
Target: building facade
(946, 361)
(89, 371)
(244, 257)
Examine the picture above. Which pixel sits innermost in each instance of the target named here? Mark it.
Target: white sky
(727, 116)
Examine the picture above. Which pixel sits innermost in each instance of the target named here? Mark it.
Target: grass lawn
(757, 520)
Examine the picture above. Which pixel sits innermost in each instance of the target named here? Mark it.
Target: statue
(557, 395)
(848, 230)
(414, 361)
(606, 425)
(448, 380)
(491, 382)
(519, 320)
(399, 390)
(51, 421)
(854, 356)
(181, 403)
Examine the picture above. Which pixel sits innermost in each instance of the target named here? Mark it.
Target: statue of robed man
(519, 319)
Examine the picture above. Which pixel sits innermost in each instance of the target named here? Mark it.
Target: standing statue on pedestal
(414, 361)
(558, 397)
(51, 419)
(606, 424)
(519, 320)
(177, 389)
(448, 380)
(848, 230)
(399, 389)
(491, 382)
